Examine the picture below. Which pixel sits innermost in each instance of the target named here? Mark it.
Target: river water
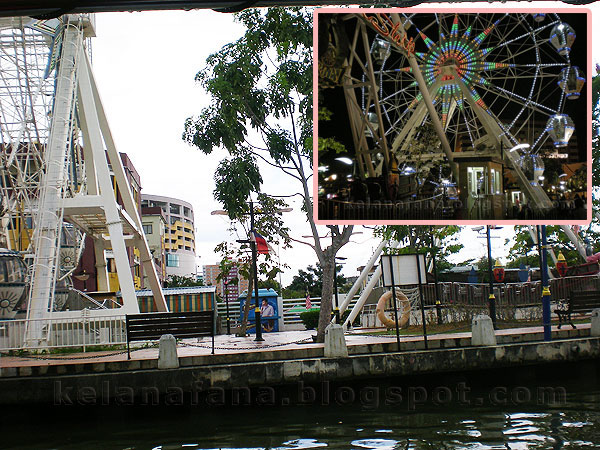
(491, 412)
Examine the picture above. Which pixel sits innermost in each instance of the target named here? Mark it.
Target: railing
(506, 294)
(430, 208)
(292, 308)
(82, 331)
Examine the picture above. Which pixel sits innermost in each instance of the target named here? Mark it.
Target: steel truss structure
(58, 162)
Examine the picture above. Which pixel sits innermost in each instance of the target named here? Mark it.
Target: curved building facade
(180, 241)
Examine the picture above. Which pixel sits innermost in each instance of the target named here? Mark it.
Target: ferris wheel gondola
(13, 282)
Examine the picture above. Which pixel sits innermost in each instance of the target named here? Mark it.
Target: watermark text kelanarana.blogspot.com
(320, 394)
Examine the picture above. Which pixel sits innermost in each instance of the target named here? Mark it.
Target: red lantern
(498, 273)
(561, 265)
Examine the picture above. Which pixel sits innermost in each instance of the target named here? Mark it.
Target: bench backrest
(149, 326)
(584, 301)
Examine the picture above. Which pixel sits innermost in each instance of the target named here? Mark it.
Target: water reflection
(574, 425)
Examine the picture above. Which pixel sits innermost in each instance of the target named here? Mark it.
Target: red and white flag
(261, 243)
(308, 302)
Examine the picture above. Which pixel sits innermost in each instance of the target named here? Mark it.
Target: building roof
(179, 291)
(162, 198)
(261, 293)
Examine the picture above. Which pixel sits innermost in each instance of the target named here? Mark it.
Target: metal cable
(248, 348)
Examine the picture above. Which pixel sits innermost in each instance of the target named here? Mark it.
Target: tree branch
(302, 242)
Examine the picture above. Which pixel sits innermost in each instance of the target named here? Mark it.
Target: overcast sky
(145, 63)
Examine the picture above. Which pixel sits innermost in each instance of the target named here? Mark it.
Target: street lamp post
(545, 287)
(252, 243)
(438, 305)
(492, 298)
(226, 283)
(258, 324)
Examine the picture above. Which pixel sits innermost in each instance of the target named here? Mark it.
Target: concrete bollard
(335, 343)
(595, 330)
(167, 352)
(482, 330)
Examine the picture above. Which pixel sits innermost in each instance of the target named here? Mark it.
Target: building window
(175, 209)
(495, 182)
(147, 228)
(172, 260)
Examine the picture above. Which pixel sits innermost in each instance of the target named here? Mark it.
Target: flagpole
(257, 321)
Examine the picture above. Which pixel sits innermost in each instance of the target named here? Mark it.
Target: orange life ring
(382, 303)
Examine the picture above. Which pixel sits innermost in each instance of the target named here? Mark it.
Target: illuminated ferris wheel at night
(477, 101)
(490, 76)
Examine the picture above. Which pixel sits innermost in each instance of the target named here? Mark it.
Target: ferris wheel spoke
(524, 102)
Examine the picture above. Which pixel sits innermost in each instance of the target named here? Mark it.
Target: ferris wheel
(496, 81)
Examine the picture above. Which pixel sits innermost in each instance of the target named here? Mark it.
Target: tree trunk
(326, 299)
(242, 328)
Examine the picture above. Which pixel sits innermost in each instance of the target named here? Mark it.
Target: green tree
(268, 222)
(311, 281)
(557, 241)
(270, 284)
(182, 281)
(483, 269)
(261, 110)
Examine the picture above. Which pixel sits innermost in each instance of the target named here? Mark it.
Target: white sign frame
(405, 269)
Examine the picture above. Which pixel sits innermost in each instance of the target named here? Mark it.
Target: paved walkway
(230, 344)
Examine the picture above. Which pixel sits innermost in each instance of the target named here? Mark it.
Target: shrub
(310, 319)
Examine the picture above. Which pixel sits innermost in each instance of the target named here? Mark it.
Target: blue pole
(546, 297)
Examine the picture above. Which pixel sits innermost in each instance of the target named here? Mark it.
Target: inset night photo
(453, 116)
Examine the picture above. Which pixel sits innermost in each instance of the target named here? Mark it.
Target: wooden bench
(182, 325)
(579, 302)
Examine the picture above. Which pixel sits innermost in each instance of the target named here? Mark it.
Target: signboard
(405, 269)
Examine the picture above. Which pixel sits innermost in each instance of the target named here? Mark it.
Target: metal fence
(72, 332)
(292, 308)
(431, 208)
(506, 294)
(88, 331)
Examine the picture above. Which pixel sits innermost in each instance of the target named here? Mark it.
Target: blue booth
(269, 322)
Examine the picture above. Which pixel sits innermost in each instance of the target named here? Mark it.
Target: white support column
(364, 274)
(128, 201)
(365, 294)
(575, 240)
(49, 218)
(90, 122)
(101, 272)
(403, 139)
